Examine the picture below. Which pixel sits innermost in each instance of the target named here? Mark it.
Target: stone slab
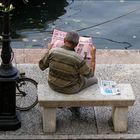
(91, 97)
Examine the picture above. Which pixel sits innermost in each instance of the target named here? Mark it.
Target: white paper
(109, 87)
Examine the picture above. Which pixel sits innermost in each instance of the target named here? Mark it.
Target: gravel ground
(93, 120)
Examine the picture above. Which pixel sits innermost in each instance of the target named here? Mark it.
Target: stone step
(102, 56)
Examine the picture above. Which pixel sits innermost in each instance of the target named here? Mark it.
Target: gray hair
(72, 37)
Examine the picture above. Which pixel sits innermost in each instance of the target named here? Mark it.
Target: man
(68, 71)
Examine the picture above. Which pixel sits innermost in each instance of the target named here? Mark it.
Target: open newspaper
(109, 87)
(83, 48)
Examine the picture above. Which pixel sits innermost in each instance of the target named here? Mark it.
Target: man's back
(65, 70)
(65, 65)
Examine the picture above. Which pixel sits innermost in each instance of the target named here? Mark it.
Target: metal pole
(6, 54)
(9, 116)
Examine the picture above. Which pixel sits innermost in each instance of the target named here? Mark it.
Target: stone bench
(51, 100)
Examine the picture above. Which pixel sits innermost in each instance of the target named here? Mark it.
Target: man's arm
(88, 68)
(93, 57)
(43, 63)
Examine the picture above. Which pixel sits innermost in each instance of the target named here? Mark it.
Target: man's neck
(68, 45)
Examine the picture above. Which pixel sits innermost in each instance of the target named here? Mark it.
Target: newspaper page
(58, 38)
(83, 48)
(109, 88)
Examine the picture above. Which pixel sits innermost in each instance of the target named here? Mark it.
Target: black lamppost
(9, 116)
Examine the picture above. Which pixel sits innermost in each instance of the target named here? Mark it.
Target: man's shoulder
(67, 53)
(55, 49)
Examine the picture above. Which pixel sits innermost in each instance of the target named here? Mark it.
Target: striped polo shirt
(66, 69)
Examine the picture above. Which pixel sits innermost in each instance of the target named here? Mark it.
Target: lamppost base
(8, 71)
(10, 122)
(9, 116)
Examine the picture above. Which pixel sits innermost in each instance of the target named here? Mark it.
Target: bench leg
(120, 118)
(49, 119)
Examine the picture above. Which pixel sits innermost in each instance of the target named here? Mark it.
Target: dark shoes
(75, 111)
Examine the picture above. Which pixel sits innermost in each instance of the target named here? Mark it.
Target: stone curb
(102, 136)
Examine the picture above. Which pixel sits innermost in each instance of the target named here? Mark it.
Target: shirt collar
(68, 48)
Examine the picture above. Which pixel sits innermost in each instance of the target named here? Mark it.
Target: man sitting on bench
(69, 73)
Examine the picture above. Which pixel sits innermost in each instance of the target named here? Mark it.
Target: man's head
(72, 38)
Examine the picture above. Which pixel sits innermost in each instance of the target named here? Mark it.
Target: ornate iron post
(9, 116)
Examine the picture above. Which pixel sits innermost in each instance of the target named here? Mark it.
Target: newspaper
(109, 88)
(83, 47)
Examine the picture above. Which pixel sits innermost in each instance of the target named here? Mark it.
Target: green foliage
(6, 9)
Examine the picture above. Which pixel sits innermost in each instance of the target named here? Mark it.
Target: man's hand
(49, 46)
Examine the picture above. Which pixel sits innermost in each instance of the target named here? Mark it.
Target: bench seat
(50, 100)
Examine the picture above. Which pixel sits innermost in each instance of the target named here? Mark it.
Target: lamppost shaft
(6, 49)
